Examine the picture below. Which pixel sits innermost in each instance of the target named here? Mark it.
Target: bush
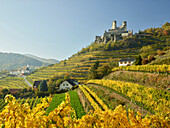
(74, 87)
(160, 53)
(151, 57)
(42, 94)
(145, 61)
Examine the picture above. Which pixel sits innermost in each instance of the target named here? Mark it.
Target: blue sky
(59, 28)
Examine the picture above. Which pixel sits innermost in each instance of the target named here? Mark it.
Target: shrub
(160, 52)
(145, 61)
(151, 57)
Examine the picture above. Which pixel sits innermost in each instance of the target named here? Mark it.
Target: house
(68, 84)
(36, 83)
(14, 72)
(25, 70)
(126, 61)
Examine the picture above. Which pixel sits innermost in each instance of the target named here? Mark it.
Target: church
(115, 33)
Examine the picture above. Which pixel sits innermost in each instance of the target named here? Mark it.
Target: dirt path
(128, 104)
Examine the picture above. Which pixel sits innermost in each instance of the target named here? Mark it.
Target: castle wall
(115, 33)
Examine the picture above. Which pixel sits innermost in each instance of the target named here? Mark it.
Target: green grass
(75, 103)
(57, 99)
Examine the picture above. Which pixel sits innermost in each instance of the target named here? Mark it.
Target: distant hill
(49, 61)
(10, 61)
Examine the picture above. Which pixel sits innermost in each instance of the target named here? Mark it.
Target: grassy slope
(75, 103)
(57, 99)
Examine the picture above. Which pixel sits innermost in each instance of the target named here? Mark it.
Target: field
(74, 100)
(13, 83)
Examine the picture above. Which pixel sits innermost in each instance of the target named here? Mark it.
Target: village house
(126, 61)
(68, 84)
(14, 72)
(36, 83)
(23, 71)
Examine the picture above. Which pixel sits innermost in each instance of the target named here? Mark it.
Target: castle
(115, 33)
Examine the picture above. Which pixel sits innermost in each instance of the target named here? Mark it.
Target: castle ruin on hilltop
(115, 33)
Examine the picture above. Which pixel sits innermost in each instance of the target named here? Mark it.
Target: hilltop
(48, 61)
(152, 41)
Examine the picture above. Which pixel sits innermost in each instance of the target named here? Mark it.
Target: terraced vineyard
(146, 68)
(78, 66)
(13, 82)
(149, 98)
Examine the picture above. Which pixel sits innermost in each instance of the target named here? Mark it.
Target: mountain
(10, 61)
(49, 61)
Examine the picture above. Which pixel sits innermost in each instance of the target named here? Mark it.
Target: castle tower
(125, 25)
(114, 26)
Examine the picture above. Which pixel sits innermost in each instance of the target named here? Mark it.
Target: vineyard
(78, 66)
(149, 98)
(74, 100)
(31, 102)
(21, 115)
(146, 68)
(13, 82)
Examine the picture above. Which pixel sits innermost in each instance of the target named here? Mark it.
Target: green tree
(138, 60)
(93, 71)
(43, 86)
(105, 70)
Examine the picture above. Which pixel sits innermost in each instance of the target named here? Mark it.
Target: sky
(60, 28)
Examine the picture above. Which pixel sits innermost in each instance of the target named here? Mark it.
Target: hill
(145, 43)
(10, 61)
(48, 61)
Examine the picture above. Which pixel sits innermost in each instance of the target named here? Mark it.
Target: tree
(93, 71)
(105, 70)
(138, 60)
(43, 86)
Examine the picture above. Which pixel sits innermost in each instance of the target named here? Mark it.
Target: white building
(23, 71)
(68, 84)
(14, 72)
(126, 61)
